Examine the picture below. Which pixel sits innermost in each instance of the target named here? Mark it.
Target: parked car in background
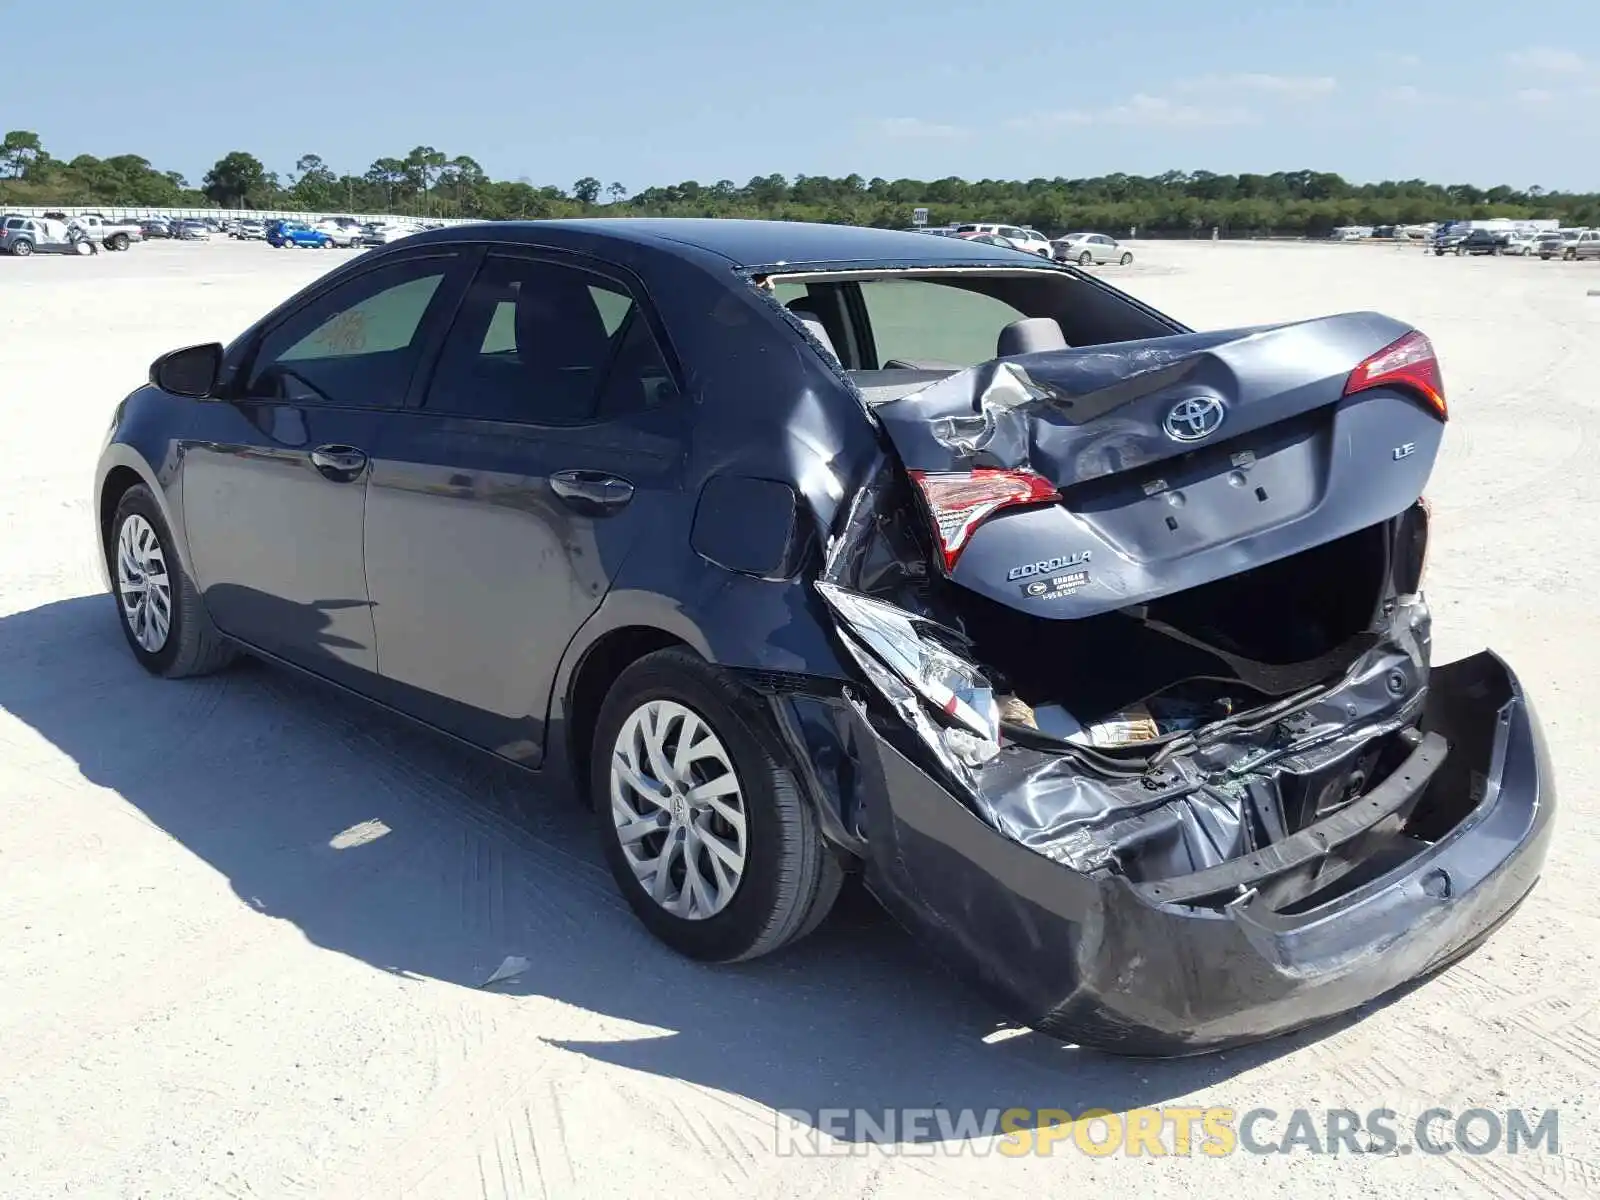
(1521, 243)
(297, 234)
(250, 230)
(384, 233)
(341, 232)
(1021, 237)
(1086, 248)
(23, 236)
(154, 227)
(192, 231)
(1585, 245)
(113, 235)
(1164, 778)
(989, 239)
(1474, 242)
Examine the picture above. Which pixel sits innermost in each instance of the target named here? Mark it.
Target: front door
(546, 448)
(275, 488)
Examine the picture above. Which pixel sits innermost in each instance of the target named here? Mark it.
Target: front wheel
(119, 241)
(158, 605)
(1125, 259)
(703, 824)
(83, 247)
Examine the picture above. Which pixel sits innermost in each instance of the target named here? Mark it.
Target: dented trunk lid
(1178, 460)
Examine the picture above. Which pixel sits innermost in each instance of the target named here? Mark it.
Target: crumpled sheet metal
(1079, 414)
(1197, 812)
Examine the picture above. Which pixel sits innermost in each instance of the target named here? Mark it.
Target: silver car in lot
(1086, 248)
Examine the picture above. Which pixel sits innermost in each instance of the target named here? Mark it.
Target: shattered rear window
(914, 320)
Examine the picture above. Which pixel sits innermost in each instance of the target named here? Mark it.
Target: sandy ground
(203, 996)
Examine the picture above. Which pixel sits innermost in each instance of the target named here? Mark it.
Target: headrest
(801, 308)
(1028, 335)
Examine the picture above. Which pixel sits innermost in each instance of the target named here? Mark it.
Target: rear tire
(22, 247)
(190, 645)
(787, 877)
(1085, 259)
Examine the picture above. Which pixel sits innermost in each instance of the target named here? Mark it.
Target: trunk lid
(1175, 461)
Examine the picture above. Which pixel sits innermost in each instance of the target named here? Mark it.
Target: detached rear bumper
(1096, 959)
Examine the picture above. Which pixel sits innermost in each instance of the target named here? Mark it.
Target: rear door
(547, 445)
(275, 488)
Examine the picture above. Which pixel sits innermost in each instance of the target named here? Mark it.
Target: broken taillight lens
(1409, 364)
(960, 501)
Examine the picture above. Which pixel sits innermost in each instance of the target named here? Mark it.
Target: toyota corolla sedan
(1095, 645)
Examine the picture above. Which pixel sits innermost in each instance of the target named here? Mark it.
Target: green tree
(20, 150)
(239, 180)
(587, 190)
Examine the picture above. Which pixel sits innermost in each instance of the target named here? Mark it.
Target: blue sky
(651, 93)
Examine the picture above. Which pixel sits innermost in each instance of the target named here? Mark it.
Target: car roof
(752, 244)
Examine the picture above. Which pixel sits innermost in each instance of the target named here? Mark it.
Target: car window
(918, 320)
(355, 345)
(547, 344)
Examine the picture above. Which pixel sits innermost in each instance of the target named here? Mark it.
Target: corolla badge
(1192, 419)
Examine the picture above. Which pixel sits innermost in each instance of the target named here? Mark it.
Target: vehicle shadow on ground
(383, 842)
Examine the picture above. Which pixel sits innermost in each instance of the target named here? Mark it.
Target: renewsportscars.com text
(1161, 1132)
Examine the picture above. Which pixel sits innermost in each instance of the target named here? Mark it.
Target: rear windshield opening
(880, 327)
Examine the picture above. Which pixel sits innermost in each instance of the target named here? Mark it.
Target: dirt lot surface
(208, 991)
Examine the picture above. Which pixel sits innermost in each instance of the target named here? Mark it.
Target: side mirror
(191, 371)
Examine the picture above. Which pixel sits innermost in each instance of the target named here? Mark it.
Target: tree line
(429, 182)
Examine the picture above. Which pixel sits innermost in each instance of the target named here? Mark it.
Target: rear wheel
(158, 605)
(703, 825)
(1085, 259)
(22, 247)
(83, 247)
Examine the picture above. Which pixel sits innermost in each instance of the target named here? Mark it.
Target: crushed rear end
(1147, 737)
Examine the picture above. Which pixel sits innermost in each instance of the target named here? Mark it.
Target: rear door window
(545, 343)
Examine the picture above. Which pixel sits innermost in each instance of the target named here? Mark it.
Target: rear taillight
(960, 501)
(1409, 364)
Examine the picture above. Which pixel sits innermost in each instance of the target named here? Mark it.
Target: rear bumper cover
(1099, 959)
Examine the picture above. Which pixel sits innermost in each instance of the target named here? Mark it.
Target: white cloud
(1141, 109)
(914, 127)
(1548, 60)
(1404, 60)
(1295, 87)
(1536, 95)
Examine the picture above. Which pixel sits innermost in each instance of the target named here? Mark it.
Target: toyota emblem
(1194, 418)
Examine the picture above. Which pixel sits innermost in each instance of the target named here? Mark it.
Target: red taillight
(960, 501)
(1409, 363)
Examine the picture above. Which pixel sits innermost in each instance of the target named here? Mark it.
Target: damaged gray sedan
(1096, 645)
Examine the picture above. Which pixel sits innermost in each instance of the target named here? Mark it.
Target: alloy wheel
(143, 585)
(679, 809)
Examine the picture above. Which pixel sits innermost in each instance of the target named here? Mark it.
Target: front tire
(158, 606)
(1125, 259)
(119, 241)
(703, 824)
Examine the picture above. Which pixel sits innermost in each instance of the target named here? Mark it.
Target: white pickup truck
(113, 235)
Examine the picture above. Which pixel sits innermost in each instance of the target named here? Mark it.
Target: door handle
(339, 463)
(592, 491)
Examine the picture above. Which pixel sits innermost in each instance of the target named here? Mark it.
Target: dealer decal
(1055, 587)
